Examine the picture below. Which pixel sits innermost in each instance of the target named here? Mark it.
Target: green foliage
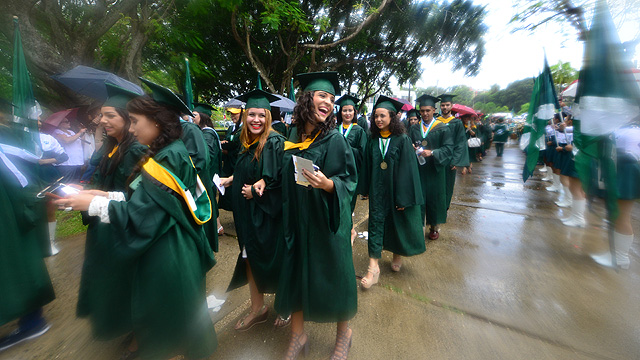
(563, 75)
(69, 223)
(524, 108)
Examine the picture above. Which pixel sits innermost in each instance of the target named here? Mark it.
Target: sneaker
(21, 335)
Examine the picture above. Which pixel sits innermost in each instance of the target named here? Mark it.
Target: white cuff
(99, 206)
(116, 195)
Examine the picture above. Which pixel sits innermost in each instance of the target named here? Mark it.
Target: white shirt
(74, 149)
(49, 143)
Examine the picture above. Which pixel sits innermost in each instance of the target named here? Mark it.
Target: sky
(513, 56)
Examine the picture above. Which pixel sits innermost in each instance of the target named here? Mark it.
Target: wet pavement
(506, 280)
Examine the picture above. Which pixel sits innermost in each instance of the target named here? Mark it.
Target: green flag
(544, 104)
(188, 89)
(259, 86)
(23, 99)
(607, 99)
(292, 92)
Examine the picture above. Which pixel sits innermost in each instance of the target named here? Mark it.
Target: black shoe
(21, 335)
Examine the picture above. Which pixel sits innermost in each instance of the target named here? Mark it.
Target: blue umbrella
(91, 82)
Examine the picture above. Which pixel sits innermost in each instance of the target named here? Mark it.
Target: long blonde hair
(244, 133)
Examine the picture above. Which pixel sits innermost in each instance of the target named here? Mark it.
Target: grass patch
(69, 223)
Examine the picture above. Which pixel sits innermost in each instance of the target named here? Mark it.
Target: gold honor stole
(288, 145)
(115, 148)
(446, 120)
(200, 207)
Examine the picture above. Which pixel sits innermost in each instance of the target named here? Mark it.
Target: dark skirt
(628, 176)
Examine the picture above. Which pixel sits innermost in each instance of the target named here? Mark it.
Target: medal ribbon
(348, 130)
(384, 146)
(425, 130)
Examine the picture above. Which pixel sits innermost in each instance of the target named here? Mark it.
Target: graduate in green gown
(257, 207)
(460, 152)
(390, 178)
(436, 142)
(413, 117)
(471, 131)
(355, 135)
(460, 157)
(230, 148)
(277, 123)
(25, 285)
(105, 284)
(318, 281)
(158, 228)
(202, 118)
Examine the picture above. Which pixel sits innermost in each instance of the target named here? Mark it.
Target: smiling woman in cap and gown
(256, 194)
(158, 228)
(105, 284)
(318, 281)
(390, 178)
(355, 135)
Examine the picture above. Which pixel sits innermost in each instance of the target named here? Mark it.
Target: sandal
(366, 283)
(343, 344)
(396, 264)
(296, 346)
(259, 318)
(282, 322)
(220, 231)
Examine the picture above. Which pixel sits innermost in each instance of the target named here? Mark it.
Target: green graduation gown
(460, 156)
(259, 220)
(357, 139)
(433, 172)
(317, 275)
(280, 127)
(105, 282)
(397, 186)
(473, 151)
(362, 121)
(214, 162)
(25, 285)
(170, 256)
(232, 147)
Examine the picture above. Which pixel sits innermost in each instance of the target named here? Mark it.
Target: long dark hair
(304, 113)
(339, 115)
(167, 120)
(205, 121)
(395, 126)
(108, 165)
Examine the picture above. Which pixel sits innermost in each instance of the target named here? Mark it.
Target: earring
(156, 125)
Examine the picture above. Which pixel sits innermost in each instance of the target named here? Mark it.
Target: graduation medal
(426, 129)
(384, 146)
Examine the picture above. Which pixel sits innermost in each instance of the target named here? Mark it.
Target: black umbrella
(91, 82)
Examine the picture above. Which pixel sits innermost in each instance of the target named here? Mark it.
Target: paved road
(506, 280)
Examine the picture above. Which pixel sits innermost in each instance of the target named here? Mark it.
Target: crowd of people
(150, 206)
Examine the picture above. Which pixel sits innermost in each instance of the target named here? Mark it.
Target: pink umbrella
(407, 105)
(56, 118)
(462, 110)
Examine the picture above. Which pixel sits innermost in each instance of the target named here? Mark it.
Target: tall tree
(59, 34)
(280, 38)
